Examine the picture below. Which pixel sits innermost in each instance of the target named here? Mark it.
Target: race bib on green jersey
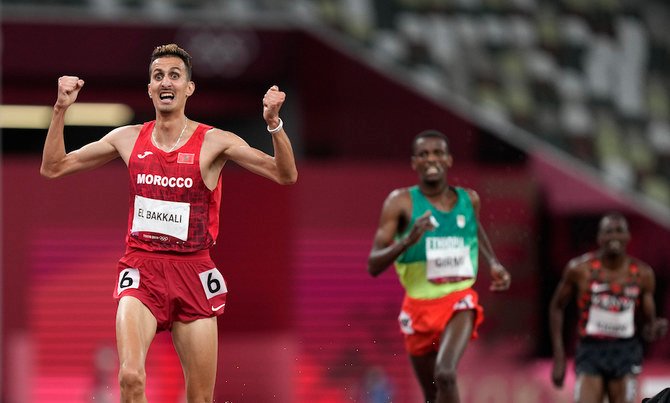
(447, 260)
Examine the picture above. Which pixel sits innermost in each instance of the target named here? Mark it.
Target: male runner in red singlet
(166, 279)
(615, 297)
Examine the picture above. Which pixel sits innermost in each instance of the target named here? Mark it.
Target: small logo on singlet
(185, 158)
(144, 154)
(460, 221)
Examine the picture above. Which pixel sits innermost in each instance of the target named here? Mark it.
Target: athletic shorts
(422, 321)
(610, 359)
(174, 286)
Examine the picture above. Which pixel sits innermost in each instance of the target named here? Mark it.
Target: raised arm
(281, 167)
(55, 161)
(284, 158)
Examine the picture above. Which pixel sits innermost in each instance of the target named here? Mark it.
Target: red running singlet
(171, 208)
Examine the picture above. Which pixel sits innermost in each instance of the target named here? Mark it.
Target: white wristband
(278, 128)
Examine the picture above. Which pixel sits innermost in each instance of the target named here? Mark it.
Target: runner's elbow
(289, 179)
(373, 269)
(48, 172)
(55, 169)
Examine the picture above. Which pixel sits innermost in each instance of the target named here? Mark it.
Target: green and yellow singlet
(445, 259)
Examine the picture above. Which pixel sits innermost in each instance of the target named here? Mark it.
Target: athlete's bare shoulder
(646, 271)
(577, 270)
(581, 261)
(474, 197)
(470, 191)
(218, 141)
(124, 132)
(220, 135)
(123, 139)
(399, 196)
(398, 203)
(642, 265)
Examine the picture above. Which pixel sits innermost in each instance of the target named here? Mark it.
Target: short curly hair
(431, 133)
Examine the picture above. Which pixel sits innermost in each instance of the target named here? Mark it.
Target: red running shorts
(175, 287)
(422, 321)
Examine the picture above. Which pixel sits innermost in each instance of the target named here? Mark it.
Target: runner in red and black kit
(608, 345)
(166, 279)
(614, 294)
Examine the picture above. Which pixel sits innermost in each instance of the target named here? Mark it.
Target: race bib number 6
(128, 278)
(213, 283)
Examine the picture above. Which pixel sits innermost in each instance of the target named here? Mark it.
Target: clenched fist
(68, 89)
(272, 102)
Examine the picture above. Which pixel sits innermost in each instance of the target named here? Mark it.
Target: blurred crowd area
(590, 77)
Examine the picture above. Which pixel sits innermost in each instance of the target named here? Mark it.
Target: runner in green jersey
(432, 234)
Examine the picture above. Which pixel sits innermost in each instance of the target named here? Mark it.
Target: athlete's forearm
(485, 246)
(284, 158)
(381, 259)
(54, 144)
(556, 332)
